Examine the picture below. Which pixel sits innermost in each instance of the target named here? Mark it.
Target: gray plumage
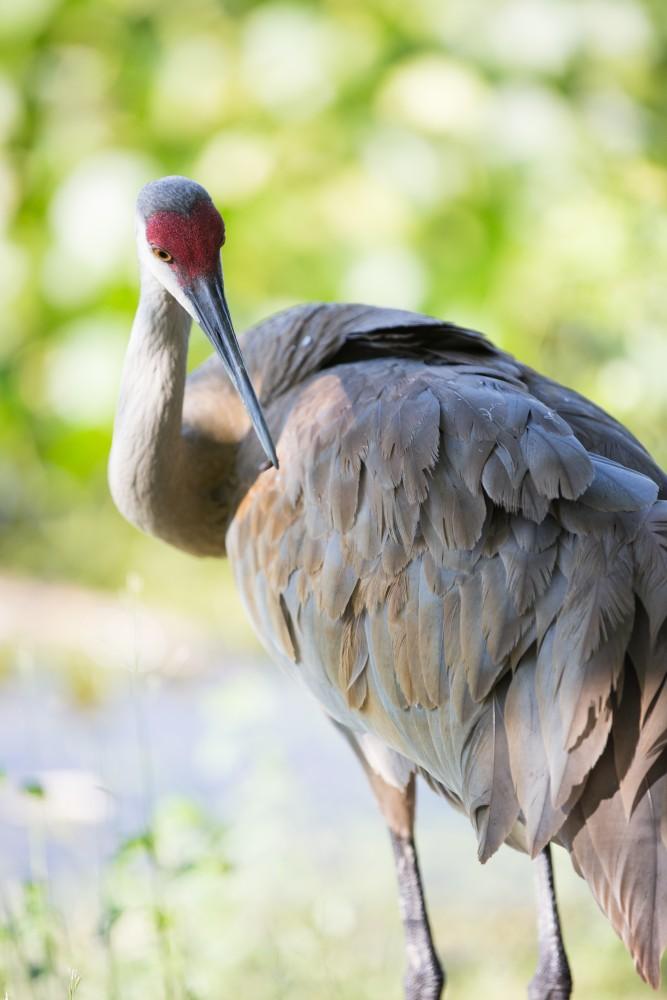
(477, 575)
(170, 194)
(459, 557)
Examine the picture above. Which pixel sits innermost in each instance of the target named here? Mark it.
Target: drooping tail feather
(610, 781)
(624, 859)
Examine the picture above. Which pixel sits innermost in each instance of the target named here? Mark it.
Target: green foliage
(34, 788)
(500, 164)
(176, 919)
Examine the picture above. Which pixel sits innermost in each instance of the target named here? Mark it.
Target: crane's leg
(552, 980)
(424, 976)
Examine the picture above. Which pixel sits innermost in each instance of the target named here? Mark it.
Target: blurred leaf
(34, 788)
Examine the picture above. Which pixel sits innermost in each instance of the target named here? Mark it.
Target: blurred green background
(500, 163)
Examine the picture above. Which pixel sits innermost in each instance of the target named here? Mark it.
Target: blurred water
(253, 737)
(303, 834)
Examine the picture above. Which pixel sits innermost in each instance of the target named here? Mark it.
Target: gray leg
(424, 977)
(552, 980)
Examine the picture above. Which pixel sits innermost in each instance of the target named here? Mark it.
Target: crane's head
(180, 234)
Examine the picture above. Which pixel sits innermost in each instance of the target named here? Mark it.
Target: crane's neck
(181, 461)
(147, 454)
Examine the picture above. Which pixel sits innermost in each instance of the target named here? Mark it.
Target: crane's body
(465, 562)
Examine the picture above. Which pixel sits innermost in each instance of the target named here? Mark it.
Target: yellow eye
(162, 254)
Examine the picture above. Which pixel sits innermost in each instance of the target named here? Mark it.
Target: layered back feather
(470, 561)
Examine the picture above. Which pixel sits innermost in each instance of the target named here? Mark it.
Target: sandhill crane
(464, 561)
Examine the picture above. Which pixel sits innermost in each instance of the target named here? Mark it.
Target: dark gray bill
(207, 297)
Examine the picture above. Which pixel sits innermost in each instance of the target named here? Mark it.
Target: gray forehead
(170, 194)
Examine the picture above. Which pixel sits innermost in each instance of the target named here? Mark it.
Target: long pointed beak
(207, 297)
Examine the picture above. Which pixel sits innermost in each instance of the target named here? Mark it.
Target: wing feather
(471, 563)
(528, 760)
